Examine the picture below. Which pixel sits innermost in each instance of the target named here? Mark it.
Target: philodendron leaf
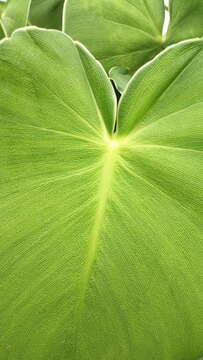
(101, 249)
(15, 15)
(47, 13)
(120, 77)
(128, 33)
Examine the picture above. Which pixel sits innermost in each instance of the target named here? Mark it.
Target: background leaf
(186, 20)
(47, 13)
(15, 15)
(2, 6)
(129, 33)
(101, 249)
(2, 34)
(119, 33)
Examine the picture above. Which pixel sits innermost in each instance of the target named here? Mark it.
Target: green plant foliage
(2, 7)
(101, 232)
(119, 33)
(2, 34)
(2, 31)
(47, 13)
(14, 15)
(128, 33)
(186, 20)
(120, 77)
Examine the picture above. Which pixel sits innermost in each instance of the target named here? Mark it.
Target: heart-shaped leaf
(47, 14)
(15, 15)
(129, 33)
(101, 232)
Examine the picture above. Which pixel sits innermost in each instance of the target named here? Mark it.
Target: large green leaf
(101, 233)
(128, 33)
(47, 13)
(15, 15)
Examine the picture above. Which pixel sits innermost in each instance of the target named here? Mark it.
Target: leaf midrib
(109, 161)
(107, 173)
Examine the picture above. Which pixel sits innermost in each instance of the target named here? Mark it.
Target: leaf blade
(87, 217)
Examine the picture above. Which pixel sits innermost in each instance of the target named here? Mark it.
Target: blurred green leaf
(47, 13)
(14, 15)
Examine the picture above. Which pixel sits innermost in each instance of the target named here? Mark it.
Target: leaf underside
(101, 246)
